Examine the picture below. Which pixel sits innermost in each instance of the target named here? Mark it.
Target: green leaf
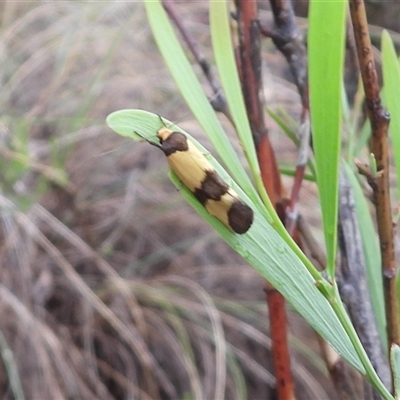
(391, 81)
(227, 69)
(261, 246)
(363, 137)
(192, 92)
(326, 54)
(395, 364)
(293, 137)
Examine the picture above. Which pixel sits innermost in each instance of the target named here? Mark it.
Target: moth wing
(190, 166)
(232, 212)
(220, 208)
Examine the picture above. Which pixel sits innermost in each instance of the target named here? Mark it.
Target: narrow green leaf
(352, 126)
(391, 81)
(291, 171)
(363, 137)
(225, 60)
(261, 246)
(284, 125)
(292, 136)
(227, 69)
(192, 92)
(12, 373)
(326, 55)
(395, 363)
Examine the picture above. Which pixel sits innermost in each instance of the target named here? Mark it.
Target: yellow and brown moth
(200, 177)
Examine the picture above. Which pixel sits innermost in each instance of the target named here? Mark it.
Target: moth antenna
(162, 121)
(148, 141)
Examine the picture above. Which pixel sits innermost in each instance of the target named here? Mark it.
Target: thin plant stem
(249, 64)
(379, 182)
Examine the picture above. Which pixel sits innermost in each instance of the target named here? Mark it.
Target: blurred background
(111, 286)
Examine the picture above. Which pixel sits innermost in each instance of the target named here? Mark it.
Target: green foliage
(11, 367)
(289, 131)
(395, 363)
(20, 174)
(267, 246)
(226, 64)
(16, 145)
(192, 92)
(261, 246)
(391, 98)
(325, 56)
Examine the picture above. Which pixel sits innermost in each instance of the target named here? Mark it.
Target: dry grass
(111, 287)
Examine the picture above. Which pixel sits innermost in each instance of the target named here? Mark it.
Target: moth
(200, 177)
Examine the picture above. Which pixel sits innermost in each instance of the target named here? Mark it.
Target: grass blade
(192, 92)
(261, 246)
(225, 60)
(391, 99)
(326, 54)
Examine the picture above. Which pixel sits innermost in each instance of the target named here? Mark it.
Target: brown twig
(378, 145)
(250, 65)
(352, 68)
(290, 43)
(280, 348)
(249, 62)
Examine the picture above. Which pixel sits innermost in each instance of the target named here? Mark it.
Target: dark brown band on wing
(176, 141)
(212, 188)
(240, 217)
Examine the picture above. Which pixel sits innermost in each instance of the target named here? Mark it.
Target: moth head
(164, 133)
(172, 142)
